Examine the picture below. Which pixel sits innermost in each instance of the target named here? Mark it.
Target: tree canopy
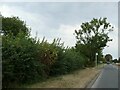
(93, 36)
(13, 25)
(108, 57)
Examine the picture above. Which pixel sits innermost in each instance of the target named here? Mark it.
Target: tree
(119, 60)
(13, 25)
(115, 60)
(92, 37)
(108, 57)
(100, 56)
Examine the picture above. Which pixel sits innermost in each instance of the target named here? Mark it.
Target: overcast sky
(54, 20)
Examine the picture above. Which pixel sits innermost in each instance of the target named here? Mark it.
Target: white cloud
(66, 34)
(35, 21)
(113, 45)
(40, 23)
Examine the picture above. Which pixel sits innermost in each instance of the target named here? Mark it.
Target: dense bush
(68, 61)
(25, 59)
(47, 55)
(88, 52)
(19, 61)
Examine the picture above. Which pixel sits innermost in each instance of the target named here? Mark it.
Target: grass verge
(77, 79)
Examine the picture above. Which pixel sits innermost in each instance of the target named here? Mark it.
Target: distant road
(108, 77)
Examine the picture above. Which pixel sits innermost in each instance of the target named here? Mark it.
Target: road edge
(92, 81)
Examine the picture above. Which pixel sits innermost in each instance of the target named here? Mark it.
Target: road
(108, 77)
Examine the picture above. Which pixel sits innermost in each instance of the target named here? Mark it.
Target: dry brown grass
(118, 64)
(77, 79)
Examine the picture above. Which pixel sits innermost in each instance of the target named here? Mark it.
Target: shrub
(19, 60)
(68, 61)
(47, 54)
(26, 60)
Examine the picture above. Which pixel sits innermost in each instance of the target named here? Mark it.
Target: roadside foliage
(28, 60)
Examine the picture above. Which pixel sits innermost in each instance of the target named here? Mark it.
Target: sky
(60, 19)
(59, 1)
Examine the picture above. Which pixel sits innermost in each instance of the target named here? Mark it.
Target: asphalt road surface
(108, 77)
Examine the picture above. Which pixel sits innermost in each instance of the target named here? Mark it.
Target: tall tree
(13, 25)
(93, 37)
